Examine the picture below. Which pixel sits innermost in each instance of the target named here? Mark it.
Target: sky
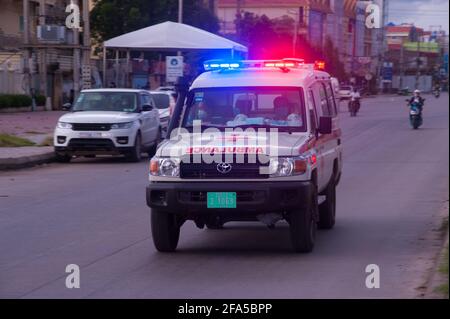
(422, 13)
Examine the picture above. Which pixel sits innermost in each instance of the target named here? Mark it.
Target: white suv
(253, 140)
(108, 121)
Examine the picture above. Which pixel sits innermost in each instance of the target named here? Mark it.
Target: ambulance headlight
(288, 166)
(165, 166)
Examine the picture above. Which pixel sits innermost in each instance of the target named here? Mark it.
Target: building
(40, 53)
(416, 56)
(310, 14)
(360, 48)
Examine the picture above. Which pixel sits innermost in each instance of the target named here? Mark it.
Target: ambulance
(253, 140)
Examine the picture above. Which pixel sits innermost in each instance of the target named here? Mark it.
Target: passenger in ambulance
(285, 113)
(200, 111)
(242, 110)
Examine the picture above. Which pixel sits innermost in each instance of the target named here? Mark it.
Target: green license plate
(221, 199)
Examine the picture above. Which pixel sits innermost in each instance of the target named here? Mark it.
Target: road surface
(92, 213)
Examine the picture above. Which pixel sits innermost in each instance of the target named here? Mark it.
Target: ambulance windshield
(279, 107)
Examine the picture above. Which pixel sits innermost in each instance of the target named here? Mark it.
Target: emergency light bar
(283, 64)
(221, 64)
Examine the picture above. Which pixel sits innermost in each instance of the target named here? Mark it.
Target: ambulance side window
(330, 98)
(325, 108)
(312, 111)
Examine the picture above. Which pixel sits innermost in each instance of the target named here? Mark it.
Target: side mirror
(147, 107)
(66, 106)
(325, 125)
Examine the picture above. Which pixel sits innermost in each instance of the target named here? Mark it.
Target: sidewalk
(37, 127)
(19, 157)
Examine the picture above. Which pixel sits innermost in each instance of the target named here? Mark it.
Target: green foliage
(14, 100)
(272, 38)
(333, 63)
(40, 100)
(7, 140)
(111, 18)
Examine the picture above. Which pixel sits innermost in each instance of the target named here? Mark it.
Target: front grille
(91, 127)
(238, 171)
(97, 144)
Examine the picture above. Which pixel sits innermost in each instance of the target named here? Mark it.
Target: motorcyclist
(354, 98)
(416, 98)
(437, 89)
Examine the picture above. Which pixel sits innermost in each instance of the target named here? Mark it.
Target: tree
(272, 39)
(111, 18)
(332, 60)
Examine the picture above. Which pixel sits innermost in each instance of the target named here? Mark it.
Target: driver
(242, 110)
(283, 112)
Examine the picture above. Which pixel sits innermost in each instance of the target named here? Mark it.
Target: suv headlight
(64, 125)
(168, 167)
(290, 166)
(118, 126)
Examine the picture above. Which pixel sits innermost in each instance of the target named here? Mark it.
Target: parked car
(165, 103)
(344, 92)
(166, 88)
(108, 121)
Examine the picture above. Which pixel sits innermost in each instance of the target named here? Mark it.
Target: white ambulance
(251, 140)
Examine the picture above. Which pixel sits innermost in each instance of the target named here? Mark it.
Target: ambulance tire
(165, 230)
(303, 225)
(327, 209)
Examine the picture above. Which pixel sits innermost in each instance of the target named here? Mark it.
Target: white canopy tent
(169, 36)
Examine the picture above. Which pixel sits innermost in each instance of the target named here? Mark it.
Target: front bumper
(253, 198)
(69, 142)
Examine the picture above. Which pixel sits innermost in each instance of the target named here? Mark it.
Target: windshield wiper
(205, 126)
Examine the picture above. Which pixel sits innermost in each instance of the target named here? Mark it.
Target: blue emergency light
(221, 64)
(283, 64)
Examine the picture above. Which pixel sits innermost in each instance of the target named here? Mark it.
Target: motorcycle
(354, 106)
(415, 115)
(437, 93)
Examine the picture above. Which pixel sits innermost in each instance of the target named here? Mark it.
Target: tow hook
(269, 219)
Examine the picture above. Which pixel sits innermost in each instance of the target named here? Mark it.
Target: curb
(26, 161)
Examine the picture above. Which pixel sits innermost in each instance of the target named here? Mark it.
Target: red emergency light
(319, 65)
(279, 64)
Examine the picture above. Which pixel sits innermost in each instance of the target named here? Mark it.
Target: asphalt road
(93, 213)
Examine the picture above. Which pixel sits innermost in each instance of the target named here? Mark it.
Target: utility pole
(86, 58)
(401, 66)
(417, 63)
(383, 50)
(238, 17)
(76, 60)
(86, 33)
(180, 11)
(294, 40)
(43, 64)
(26, 52)
(180, 17)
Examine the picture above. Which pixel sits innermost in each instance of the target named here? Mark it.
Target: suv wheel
(135, 153)
(302, 226)
(327, 210)
(165, 231)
